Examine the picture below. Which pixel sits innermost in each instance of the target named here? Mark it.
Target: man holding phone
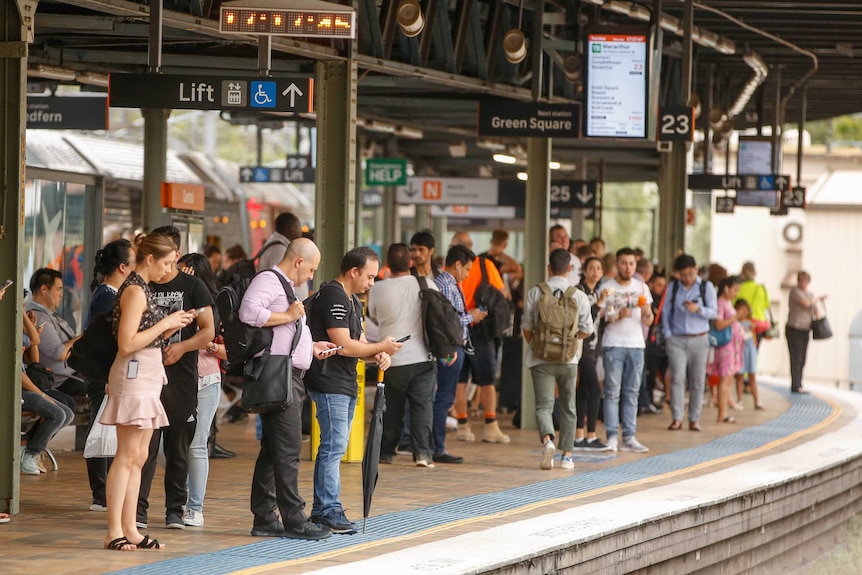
(335, 315)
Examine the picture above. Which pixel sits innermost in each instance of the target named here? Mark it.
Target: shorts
(482, 364)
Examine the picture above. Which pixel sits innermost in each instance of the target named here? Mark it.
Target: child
(749, 353)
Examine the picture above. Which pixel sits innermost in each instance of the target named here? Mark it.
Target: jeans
(687, 364)
(199, 463)
(623, 369)
(797, 347)
(335, 416)
(414, 382)
(55, 416)
(447, 383)
(564, 376)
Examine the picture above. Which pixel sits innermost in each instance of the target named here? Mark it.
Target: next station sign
(262, 94)
(67, 113)
(508, 118)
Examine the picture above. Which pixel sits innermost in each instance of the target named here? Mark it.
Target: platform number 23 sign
(675, 124)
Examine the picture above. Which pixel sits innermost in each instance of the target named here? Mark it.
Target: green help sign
(386, 172)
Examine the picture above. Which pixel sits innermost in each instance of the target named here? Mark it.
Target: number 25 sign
(675, 124)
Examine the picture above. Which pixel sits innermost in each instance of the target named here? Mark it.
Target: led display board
(308, 23)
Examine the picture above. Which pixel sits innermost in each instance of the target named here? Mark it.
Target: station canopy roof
(424, 90)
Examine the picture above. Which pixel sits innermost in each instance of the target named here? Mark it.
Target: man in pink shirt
(274, 484)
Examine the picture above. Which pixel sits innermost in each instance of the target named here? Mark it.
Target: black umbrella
(371, 458)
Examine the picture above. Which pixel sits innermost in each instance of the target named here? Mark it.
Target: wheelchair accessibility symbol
(262, 95)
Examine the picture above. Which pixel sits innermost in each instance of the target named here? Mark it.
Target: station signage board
(617, 72)
(746, 182)
(675, 124)
(67, 113)
(183, 196)
(386, 172)
(235, 93)
(269, 175)
(446, 191)
(563, 194)
(529, 119)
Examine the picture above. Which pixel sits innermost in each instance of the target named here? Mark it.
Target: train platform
(774, 487)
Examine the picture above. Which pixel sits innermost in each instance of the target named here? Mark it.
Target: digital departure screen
(616, 84)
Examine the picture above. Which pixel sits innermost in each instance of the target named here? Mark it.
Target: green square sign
(386, 172)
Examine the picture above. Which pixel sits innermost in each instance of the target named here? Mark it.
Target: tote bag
(102, 439)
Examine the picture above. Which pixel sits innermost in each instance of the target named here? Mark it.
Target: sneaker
(336, 521)
(566, 462)
(451, 424)
(581, 444)
(597, 445)
(29, 463)
(307, 530)
(424, 463)
(193, 518)
(174, 521)
(141, 524)
(274, 529)
(612, 443)
(98, 507)
(404, 449)
(632, 444)
(548, 451)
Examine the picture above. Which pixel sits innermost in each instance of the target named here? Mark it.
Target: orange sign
(181, 196)
(432, 190)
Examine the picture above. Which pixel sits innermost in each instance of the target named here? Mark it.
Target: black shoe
(174, 521)
(307, 530)
(386, 459)
(447, 457)
(404, 448)
(220, 452)
(274, 529)
(337, 522)
(649, 409)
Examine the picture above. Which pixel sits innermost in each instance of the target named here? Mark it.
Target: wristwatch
(212, 348)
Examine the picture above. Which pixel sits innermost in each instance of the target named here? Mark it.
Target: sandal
(728, 419)
(694, 426)
(675, 425)
(4, 518)
(120, 544)
(147, 543)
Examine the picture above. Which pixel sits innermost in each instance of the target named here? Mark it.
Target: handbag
(820, 328)
(719, 337)
(41, 376)
(766, 329)
(102, 439)
(655, 343)
(268, 383)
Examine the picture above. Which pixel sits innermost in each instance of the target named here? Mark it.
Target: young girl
(749, 353)
(727, 360)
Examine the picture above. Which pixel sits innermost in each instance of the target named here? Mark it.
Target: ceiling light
(505, 159)
(554, 165)
(515, 46)
(409, 132)
(726, 46)
(491, 145)
(573, 66)
(522, 176)
(670, 24)
(639, 12)
(708, 39)
(51, 72)
(410, 18)
(458, 150)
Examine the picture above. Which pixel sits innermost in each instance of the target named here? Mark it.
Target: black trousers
(588, 396)
(180, 400)
(415, 383)
(797, 345)
(97, 467)
(275, 483)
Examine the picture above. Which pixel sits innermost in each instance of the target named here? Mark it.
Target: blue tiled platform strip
(805, 411)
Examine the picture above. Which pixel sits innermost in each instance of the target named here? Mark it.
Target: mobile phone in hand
(332, 349)
(5, 284)
(403, 339)
(200, 310)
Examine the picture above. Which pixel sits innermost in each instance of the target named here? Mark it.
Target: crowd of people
(607, 337)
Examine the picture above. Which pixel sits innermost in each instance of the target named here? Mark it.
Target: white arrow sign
(294, 91)
(246, 174)
(584, 196)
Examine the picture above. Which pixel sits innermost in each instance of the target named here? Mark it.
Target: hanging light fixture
(514, 42)
(410, 18)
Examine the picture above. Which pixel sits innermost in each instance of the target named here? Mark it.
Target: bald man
(269, 303)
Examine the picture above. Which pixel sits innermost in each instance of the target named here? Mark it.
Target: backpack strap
(673, 299)
(265, 247)
(484, 270)
(423, 283)
(291, 297)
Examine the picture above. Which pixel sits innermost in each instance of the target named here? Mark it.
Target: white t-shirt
(627, 332)
(394, 306)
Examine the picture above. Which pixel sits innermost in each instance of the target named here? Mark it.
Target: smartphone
(332, 350)
(5, 284)
(403, 339)
(200, 310)
(132, 371)
(41, 325)
(482, 308)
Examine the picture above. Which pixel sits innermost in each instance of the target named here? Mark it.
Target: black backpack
(499, 320)
(243, 341)
(94, 353)
(441, 324)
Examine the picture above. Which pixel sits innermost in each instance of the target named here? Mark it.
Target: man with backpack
(556, 317)
(287, 228)
(274, 488)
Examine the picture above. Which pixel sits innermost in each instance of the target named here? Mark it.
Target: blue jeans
(623, 371)
(199, 462)
(447, 383)
(335, 416)
(55, 416)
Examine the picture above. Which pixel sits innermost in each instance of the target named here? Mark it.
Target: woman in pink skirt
(727, 360)
(135, 385)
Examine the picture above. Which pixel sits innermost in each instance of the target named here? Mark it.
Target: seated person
(54, 416)
(57, 336)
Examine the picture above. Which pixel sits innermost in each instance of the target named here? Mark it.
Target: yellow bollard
(356, 441)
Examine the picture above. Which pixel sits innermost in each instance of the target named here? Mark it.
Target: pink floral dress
(727, 360)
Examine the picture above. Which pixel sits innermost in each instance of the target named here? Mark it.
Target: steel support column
(538, 211)
(672, 184)
(335, 189)
(155, 168)
(422, 219)
(13, 98)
